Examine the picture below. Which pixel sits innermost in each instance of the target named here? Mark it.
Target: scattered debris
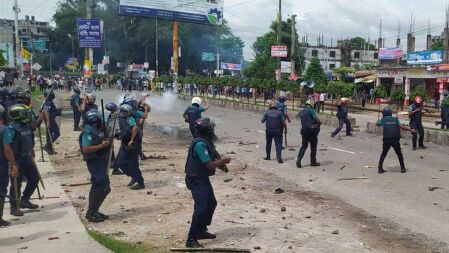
(323, 149)
(279, 191)
(434, 188)
(335, 232)
(53, 238)
(262, 210)
(342, 167)
(157, 157)
(292, 149)
(149, 192)
(211, 250)
(231, 153)
(368, 166)
(227, 180)
(25, 247)
(421, 157)
(283, 209)
(241, 143)
(308, 217)
(351, 178)
(77, 184)
(171, 164)
(257, 247)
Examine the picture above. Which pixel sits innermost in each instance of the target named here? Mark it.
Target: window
(331, 66)
(314, 53)
(356, 55)
(376, 56)
(332, 54)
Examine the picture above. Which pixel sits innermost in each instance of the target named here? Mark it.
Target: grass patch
(118, 246)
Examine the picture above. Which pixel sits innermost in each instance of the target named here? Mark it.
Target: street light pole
(218, 64)
(279, 30)
(50, 60)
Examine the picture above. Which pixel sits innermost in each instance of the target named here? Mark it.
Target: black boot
(104, 216)
(298, 163)
(14, 210)
(193, 243)
(315, 164)
(138, 186)
(131, 183)
(3, 223)
(93, 216)
(25, 203)
(380, 170)
(403, 170)
(116, 172)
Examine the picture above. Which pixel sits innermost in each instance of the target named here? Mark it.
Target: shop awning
(366, 79)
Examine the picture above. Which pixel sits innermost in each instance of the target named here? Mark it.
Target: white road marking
(342, 150)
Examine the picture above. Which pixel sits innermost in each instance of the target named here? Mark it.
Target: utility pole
(293, 49)
(89, 52)
(157, 50)
(278, 74)
(175, 61)
(218, 64)
(16, 28)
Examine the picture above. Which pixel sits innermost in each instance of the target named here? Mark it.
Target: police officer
(94, 147)
(283, 108)
(75, 102)
(391, 136)
(310, 128)
(342, 116)
(18, 144)
(201, 163)
(415, 113)
(3, 98)
(49, 112)
(4, 170)
(275, 124)
(130, 147)
(141, 115)
(193, 113)
(444, 114)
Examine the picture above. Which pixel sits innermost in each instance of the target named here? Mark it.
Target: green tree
(359, 43)
(315, 72)
(421, 91)
(3, 61)
(437, 45)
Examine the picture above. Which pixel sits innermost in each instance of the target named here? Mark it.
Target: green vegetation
(398, 95)
(3, 61)
(315, 73)
(380, 92)
(437, 45)
(118, 246)
(421, 91)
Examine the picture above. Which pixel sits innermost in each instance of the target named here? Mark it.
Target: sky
(333, 19)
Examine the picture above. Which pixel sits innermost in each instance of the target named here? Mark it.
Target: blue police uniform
(97, 166)
(444, 115)
(89, 107)
(283, 108)
(197, 180)
(21, 138)
(75, 101)
(391, 138)
(193, 113)
(50, 107)
(416, 123)
(128, 159)
(4, 172)
(342, 116)
(274, 121)
(309, 133)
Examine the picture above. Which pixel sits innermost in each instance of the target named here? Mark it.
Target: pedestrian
(275, 124)
(94, 147)
(18, 142)
(130, 147)
(322, 100)
(88, 104)
(202, 161)
(391, 137)
(364, 98)
(49, 113)
(444, 114)
(75, 102)
(415, 113)
(4, 171)
(310, 128)
(193, 113)
(342, 116)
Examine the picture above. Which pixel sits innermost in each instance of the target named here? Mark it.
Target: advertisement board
(207, 56)
(89, 32)
(208, 12)
(425, 57)
(390, 53)
(286, 67)
(231, 66)
(279, 51)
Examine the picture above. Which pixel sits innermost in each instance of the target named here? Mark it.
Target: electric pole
(157, 50)
(89, 52)
(278, 71)
(16, 28)
(293, 49)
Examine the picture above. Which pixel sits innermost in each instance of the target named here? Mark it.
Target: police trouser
(193, 131)
(4, 178)
(309, 135)
(340, 126)
(275, 134)
(54, 131)
(76, 118)
(387, 144)
(128, 162)
(204, 205)
(419, 130)
(26, 169)
(100, 183)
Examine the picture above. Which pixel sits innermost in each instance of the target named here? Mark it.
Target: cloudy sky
(334, 19)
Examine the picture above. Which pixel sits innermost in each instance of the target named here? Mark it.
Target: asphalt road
(404, 199)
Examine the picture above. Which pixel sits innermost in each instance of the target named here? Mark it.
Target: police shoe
(298, 164)
(104, 216)
(193, 243)
(403, 170)
(117, 172)
(137, 187)
(25, 203)
(4, 223)
(267, 158)
(280, 161)
(423, 147)
(131, 183)
(206, 236)
(14, 211)
(94, 216)
(315, 164)
(380, 170)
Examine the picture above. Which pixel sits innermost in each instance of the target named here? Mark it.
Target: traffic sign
(36, 66)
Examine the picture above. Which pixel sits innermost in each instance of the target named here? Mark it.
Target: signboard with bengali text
(89, 32)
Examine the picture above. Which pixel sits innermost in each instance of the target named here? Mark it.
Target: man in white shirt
(322, 100)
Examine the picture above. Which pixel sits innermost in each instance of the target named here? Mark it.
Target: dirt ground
(249, 214)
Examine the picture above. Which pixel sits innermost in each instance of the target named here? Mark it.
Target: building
(343, 54)
(32, 35)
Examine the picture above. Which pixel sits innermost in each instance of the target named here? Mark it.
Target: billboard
(390, 53)
(286, 67)
(231, 66)
(207, 56)
(279, 51)
(208, 12)
(425, 57)
(89, 32)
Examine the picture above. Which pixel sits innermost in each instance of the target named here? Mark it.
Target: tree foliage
(132, 39)
(3, 61)
(421, 91)
(315, 72)
(380, 92)
(359, 43)
(263, 65)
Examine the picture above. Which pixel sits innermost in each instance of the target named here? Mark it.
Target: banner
(231, 66)
(390, 53)
(209, 12)
(207, 56)
(25, 54)
(425, 57)
(279, 51)
(89, 32)
(286, 67)
(87, 69)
